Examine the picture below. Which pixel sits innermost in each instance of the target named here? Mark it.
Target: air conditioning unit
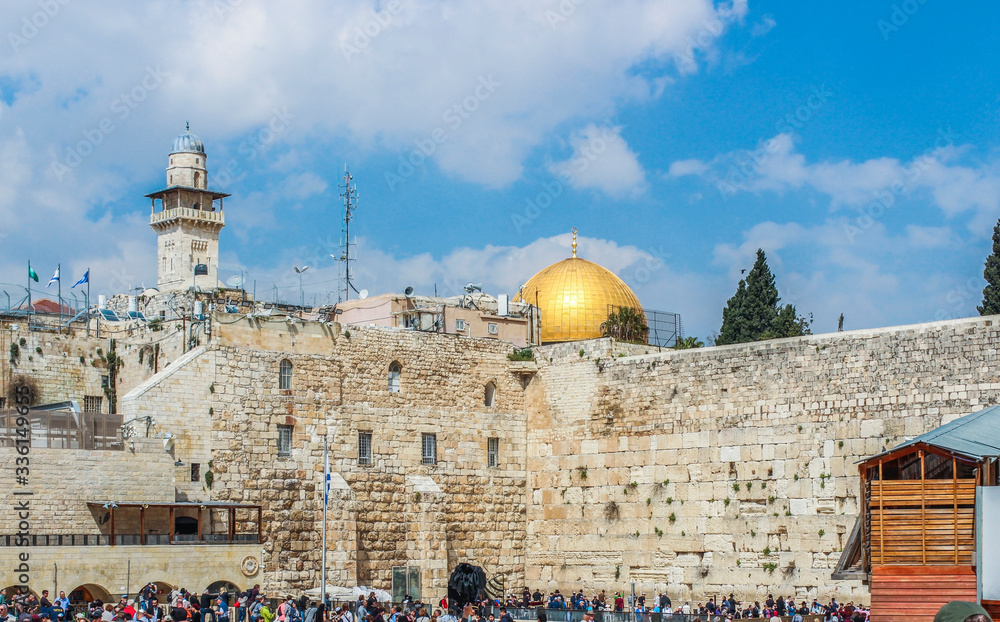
(492, 328)
(460, 325)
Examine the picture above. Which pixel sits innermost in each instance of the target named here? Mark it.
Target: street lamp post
(302, 297)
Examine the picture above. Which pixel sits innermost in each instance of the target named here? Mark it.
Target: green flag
(32, 274)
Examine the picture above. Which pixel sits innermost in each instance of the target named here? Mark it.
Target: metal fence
(63, 429)
(664, 328)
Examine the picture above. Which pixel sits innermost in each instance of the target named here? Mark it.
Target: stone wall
(397, 511)
(634, 463)
(71, 366)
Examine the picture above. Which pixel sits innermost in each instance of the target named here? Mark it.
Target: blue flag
(85, 279)
(54, 279)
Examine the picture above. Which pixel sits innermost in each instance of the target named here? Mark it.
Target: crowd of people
(254, 606)
(727, 609)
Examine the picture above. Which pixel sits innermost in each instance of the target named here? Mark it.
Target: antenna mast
(349, 192)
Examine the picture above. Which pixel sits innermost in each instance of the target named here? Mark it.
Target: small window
(460, 324)
(163, 314)
(3, 402)
(492, 328)
(285, 375)
(92, 403)
(364, 447)
(490, 393)
(395, 369)
(284, 441)
(428, 449)
(104, 382)
(493, 452)
(195, 471)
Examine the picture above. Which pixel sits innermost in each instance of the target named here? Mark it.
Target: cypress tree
(753, 314)
(991, 293)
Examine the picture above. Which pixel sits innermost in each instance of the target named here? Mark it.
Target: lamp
(178, 464)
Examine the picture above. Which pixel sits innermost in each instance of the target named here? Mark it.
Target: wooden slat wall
(923, 522)
(915, 593)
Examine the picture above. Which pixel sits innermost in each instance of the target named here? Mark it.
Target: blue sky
(857, 143)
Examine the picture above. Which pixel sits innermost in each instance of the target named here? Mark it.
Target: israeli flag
(54, 279)
(85, 279)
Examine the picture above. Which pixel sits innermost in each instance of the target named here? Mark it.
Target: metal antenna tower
(348, 192)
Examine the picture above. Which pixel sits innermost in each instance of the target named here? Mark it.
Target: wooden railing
(923, 522)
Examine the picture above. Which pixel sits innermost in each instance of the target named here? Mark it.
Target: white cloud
(602, 160)
(775, 166)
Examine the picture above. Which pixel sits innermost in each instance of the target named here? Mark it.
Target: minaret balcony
(187, 213)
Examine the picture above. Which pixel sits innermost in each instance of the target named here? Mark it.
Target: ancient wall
(71, 366)
(63, 481)
(106, 569)
(396, 511)
(731, 468)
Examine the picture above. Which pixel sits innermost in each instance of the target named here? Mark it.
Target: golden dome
(575, 297)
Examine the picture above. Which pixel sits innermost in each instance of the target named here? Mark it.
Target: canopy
(333, 592)
(975, 436)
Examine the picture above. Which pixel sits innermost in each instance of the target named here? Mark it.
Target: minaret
(187, 220)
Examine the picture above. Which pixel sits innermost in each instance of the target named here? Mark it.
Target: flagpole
(88, 301)
(29, 294)
(326, 502)
(59, 294)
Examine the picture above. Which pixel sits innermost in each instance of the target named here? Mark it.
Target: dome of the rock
(574, 297)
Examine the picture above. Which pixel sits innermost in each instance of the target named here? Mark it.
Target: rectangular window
(92, 403)
(429, 449)
(364, 447)
(104, 382)
(493, 452)
(492, 329)
(284, 441)
(460, 325)
(3, 402)
(195, 471)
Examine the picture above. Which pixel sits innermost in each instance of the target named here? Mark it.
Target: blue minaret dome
(188, 142)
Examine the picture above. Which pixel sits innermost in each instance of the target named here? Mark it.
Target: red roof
(44, 305)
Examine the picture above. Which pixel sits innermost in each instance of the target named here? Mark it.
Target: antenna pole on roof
(349, 192)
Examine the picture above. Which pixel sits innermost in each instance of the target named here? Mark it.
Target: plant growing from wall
(672, 518)
(736, 486)
(15, 352)
(583, 472)
(522, 354)
(612, 511)
(156, 325)
(209, 478)
(618, 572)
(38, 349)
(770, 567)
(114, 363)
(670, 500)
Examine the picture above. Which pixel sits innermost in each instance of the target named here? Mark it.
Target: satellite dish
(235, 281)
(408, 292)
(363, 294)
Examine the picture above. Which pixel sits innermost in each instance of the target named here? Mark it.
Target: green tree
(626, 324)
(991, 293)
(753, 314)
(687, 343)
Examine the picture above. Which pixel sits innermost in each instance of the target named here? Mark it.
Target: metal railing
(124, 539)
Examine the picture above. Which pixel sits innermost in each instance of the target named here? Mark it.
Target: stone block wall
(397, 511)
(731, 469)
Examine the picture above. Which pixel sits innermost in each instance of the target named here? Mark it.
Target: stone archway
(215, 588)
(88, 593)
(10, 592)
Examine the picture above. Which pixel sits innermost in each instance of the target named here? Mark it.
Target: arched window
(197, 180)
(490, 393)
(285, 375)
(395, 369)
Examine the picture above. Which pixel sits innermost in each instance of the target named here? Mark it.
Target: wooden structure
(915, 541)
